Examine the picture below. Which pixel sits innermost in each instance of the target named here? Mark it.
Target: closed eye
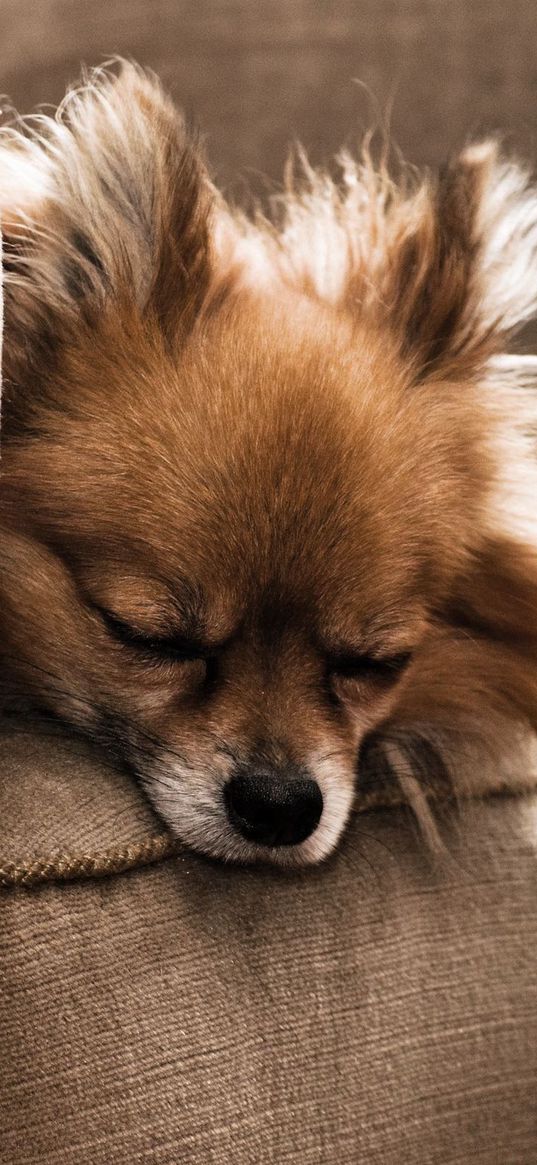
(172, 647)
(369, 667)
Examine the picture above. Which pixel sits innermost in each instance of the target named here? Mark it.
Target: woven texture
(25, 864)
(381, 1009)
(70, 867)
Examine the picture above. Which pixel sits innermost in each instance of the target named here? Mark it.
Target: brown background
(256, 73)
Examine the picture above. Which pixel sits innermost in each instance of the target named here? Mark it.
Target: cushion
(379, 1008)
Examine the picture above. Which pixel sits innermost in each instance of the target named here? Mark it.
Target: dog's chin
(226, 845)
(199, 820)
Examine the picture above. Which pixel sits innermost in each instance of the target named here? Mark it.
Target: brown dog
(266, 490)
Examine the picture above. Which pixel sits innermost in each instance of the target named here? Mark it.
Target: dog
(268, 482)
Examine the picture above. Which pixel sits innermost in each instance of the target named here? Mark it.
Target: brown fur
(213, 437)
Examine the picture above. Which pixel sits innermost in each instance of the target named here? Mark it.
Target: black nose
(271, 810)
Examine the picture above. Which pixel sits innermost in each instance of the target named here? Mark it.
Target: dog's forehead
(262, 457)
(296, 544)
(298, 426)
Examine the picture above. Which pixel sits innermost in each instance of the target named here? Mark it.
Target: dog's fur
(299, 448)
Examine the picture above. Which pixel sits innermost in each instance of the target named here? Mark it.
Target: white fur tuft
(506, 231)
(88, 189)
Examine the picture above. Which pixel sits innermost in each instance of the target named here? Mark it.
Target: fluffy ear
(107, 201)
(459, 271)
(448, 264)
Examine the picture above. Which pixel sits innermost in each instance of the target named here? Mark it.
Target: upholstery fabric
(381, 1008)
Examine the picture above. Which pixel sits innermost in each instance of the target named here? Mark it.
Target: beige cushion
(382, 1008)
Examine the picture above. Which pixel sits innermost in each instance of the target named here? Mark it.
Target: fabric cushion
(380, 1008)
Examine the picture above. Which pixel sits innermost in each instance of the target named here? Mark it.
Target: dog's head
(241, 467)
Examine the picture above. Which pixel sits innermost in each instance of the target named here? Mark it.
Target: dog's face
(233, 511)
(236, 586)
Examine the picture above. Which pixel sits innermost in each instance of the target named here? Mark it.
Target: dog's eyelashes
(366, 667)
(172, 648)
(362, 676)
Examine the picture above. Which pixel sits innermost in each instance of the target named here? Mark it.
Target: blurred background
(256, 74)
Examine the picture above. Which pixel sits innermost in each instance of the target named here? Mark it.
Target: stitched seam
(68, 867)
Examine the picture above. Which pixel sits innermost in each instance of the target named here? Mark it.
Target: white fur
(509, 396)
(191, 802)
(101, 163)
(101, 160)
(507, 259)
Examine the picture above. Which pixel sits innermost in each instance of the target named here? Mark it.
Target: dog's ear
(107, 203)
(448, 264)
(457, 271)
